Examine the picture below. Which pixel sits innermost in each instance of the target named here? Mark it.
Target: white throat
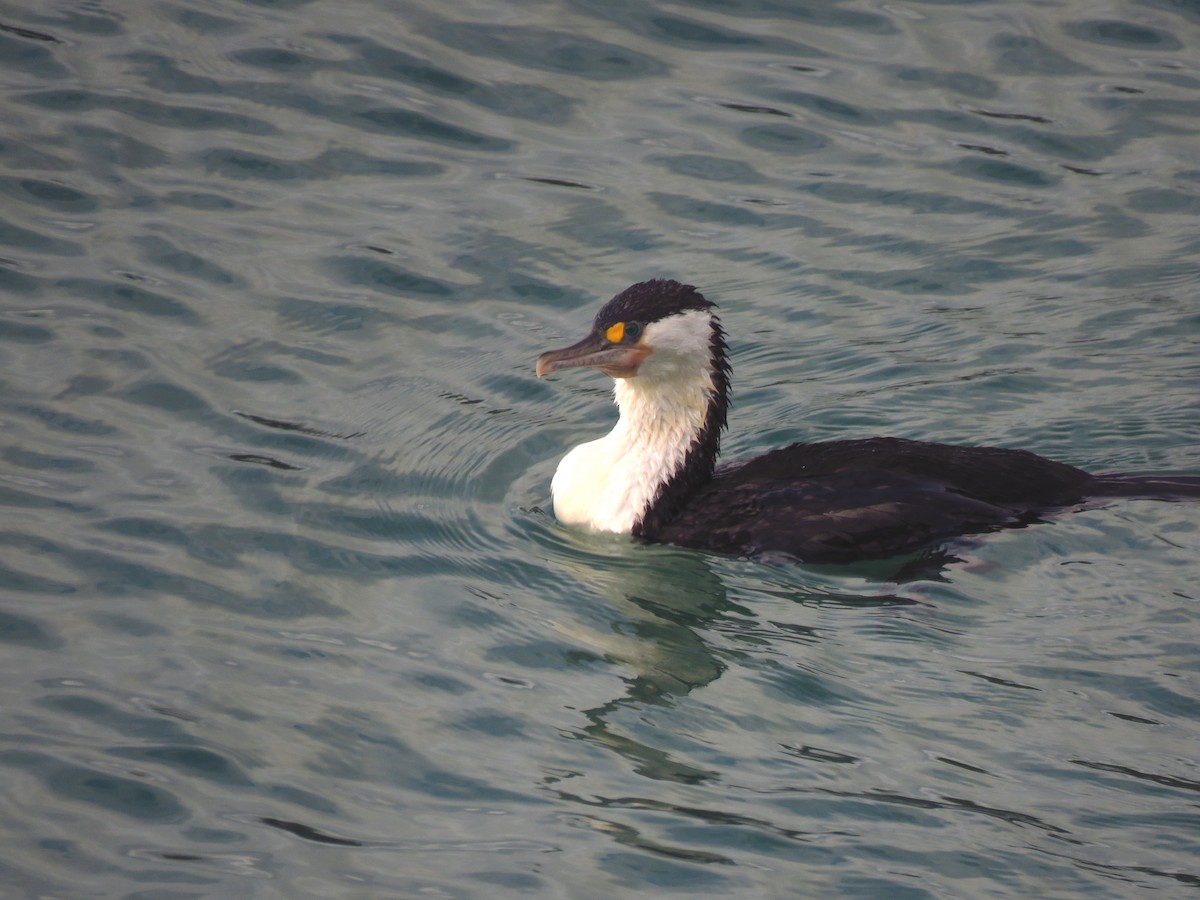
(608, 484)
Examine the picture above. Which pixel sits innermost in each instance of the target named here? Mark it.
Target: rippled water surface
(281, 611)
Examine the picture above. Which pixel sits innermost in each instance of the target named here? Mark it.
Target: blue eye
(633, 330)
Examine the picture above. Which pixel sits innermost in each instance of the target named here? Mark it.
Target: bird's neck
(664, 446)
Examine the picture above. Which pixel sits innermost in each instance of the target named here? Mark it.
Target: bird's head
(655, 329)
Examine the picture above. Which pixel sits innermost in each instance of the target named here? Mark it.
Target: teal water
(281, 611)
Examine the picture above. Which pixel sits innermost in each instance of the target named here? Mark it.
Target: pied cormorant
(655, 475)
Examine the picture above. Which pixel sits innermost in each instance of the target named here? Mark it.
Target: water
(282, 614)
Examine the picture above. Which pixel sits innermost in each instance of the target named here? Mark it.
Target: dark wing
(1013, 478)
(849, 500)
(830, 518)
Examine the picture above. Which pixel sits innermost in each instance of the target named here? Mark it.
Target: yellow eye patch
(615, 332)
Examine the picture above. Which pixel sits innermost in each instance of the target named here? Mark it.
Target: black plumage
(846, 500)
(837, 501)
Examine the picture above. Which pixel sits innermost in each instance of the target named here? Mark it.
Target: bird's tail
(1146, 487)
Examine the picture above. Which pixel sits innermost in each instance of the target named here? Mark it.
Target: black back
(849, 500)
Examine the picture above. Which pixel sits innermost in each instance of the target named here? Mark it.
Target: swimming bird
(655, 475)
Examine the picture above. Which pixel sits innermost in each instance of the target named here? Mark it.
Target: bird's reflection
(662, 609)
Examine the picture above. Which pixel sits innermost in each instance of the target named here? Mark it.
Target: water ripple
(281, 599)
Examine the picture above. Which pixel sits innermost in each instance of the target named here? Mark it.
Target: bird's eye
(622, 331)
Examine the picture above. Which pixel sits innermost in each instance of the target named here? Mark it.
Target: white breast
(607, 484)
